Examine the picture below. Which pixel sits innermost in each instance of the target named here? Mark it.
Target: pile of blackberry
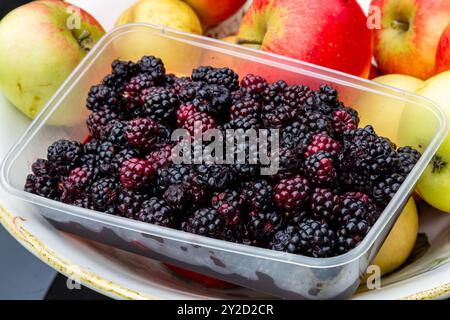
(334, 180)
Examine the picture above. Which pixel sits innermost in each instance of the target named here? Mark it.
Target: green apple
(40, 44)
(417, 129)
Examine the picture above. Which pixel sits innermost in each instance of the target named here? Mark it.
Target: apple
(230, 39)
(443, 52)
(330, 33)
(374, 72)
(434, 185)
(38, 50)
(213, 12)
(175, 14)
(409, 35)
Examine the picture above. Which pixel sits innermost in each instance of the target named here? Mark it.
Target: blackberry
(295, 136)
(136, 174)
(80, 179)
(83, 201)
(351, 234)
(325, 205)
(42, 167)
(214, 177)
(278, 116)
(105, 154)
(354, 181)
(321, 169)
(133, 90)
(122, 72)
(258, 195)
(184, 112)
(43, 185)
(199, 74)
(221, 76)
(254, 84)
(161, 106)
(262, 226)
(205, 222)
(244, 123)
(229, 204)
(65, 155)
(160, 158)
(358, 206)
(342, 121)
(296, 96)
(175, 174)
(408, 159)
(178, 197)
(273, 94)
(212, 99)
(154, 67)
(101, 97)
(386, 188)
(156, 211)
(142, 133)
(130, 202)
(98, 121)
(316, 122)
(317, 239)
(325, 100)
(287, 240)
(322, 142)
(244, 108)
(181, 84)
(292, 193)
(117, 133)
(123, 155)
(203, 120)
(104, 194)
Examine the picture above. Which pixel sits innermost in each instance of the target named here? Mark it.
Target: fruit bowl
(276, 273)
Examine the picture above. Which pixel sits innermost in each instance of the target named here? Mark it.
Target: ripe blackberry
(295, 136)
(199, 74)
(184, 112)
(244, 108)
(262, 226)
(358, 206)
(160, 158)
(214, 177)
(82, 201)
(229, 204)
(325, 205)
(258, 195)
(221, 76)
(104, 194)
(316, 122)
(142, 133)
(122, 72)
(80, 179)
(104, 157)
(101, 97)
(42, 167)
(254, 84)
(175, 174)
(154, 67)
(321, 170)
(181, 84)
(44, 186)
(212, 99)
(273, 94)
(408, 159)
(325, 100)
(278, 116)
(287, 240)
(386, 188)
(205, 222)
(117, 133)
(130, 202)
(322, 142)
(136, 174)
(98, 121)
(292, 193)
(161, 105)
(296, 96)
(200, 122)
(65, 155)
(351, 234)
(178, 197)
(133, 90)
(156, 211)
(317, 239)
(245, 123)
(119, 158)
(342, 121)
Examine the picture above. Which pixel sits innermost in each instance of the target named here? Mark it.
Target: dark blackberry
(273, 94)
(214, 177)
(317, 239)
(105, 154)
(188, 91)
(178, 197)
(104, 194)
(295, 136)
(43, 185)
(357, 205)
(101, 97)
(325, 100)
(325, 205)
(175, 174)
(292, 193)
(351, 234)
(121, 157)
(221, 76)
(408, 159)
(156, 211)
(244, 108)
(287, 240)
(205, 222)
(229, 204)
(262, 226)
(161, 106)
(354, 181)
(142, 133)
(154, 67)
(181, 83)
(386, 188)
(278, 116)
(343, 121)
(117, 133)
(246, 123)
(133, 90)
(136, 174)
(122, 72)
(65, 155)
(258, 195)
(254, 84)
(316, 122)
(200, 122)
(42, 167)
(130, 202)
(98, 121)
(321, 169)
(322, 142)
(199, 74)
(213, 99)
(83, 201)
(160, 158)
(184, 112)
(296, 96)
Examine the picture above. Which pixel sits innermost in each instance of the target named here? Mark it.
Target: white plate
(126, 276)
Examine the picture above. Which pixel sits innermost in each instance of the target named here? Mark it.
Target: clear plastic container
(277, 273)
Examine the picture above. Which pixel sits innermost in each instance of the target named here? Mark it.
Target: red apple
(374, 72)
(212, 12)
(409, 35)
(443, 52)
(330, 33)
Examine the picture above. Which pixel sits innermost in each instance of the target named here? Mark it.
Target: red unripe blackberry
(254, 84)
(320, 169)
(292, 193)
(142, 133)
(160, 158)
(200, 122)
(134, 89)
(322, 142)
(184, 112)
(229, 204)
(297, 95)
(80, 179)
(342, 121)
(278, 116)
(136, 173)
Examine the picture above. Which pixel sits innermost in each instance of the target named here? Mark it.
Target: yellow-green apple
(212, 12)
(417, 129)
(40, 44)
(443, 52)
(330, 33)
(409, 35)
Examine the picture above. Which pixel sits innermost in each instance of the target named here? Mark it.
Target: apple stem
(438, 164)
(400, 25)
